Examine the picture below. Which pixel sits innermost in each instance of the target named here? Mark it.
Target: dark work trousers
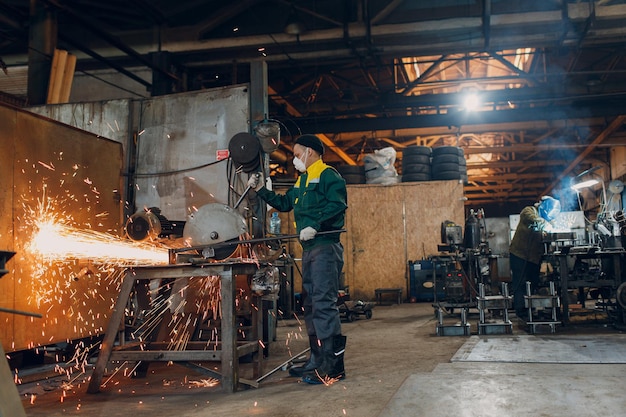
(522, 271)
(321, 269)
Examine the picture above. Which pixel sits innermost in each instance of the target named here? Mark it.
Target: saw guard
(213, 223)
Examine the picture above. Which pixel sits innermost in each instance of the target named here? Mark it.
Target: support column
(42, 41)
(230, 358)
(162, 82)
(258, 112)
(258, 92)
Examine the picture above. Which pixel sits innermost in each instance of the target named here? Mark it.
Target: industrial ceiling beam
(386, 11)
(487, 22)
(526, 148)
(423, 75)
(113, 40)
(496, 177)
(384, 36)
(476, 188)
(412, 136)
(327, 141)
(149, 8)
(76, 44)
(510, 66)
(516, 164)
(220, 16)
(460, 119)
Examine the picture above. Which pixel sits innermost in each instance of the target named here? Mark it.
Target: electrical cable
(178, 171)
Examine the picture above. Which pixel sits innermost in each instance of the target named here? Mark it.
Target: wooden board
(389, 225)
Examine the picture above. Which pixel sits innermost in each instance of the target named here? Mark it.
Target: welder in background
(526, 248)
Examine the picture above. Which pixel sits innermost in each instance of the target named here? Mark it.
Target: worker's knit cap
(311, 141)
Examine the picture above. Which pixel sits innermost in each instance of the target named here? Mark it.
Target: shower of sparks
(564, 222)
(326, 380)
(69, 257)
(186, 307)
(54, 241)
(72, 270)
(205, 383)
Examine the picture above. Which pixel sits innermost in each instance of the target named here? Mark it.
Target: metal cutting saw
(212, 233)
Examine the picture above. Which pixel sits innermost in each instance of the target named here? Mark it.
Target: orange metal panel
(7, 286)
(51, 168)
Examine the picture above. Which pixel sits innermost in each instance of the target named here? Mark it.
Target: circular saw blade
(213, 223)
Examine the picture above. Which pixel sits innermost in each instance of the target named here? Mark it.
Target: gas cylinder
(471, 239)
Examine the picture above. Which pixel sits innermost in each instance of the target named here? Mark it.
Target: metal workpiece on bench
(613, 258)
(230, 350)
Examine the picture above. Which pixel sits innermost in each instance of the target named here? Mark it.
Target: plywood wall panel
(376, 234)
(428, 204)
(389, 225)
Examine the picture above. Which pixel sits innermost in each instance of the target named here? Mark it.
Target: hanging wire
(178, 171)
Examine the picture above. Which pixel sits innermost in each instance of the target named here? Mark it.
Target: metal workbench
(230, 349)
(614, 256)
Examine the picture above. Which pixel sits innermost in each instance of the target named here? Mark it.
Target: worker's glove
(254, 182)
(307, 233)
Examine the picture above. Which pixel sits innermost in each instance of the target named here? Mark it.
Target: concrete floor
(395, 364)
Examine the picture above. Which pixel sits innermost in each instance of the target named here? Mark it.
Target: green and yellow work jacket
(318, 199)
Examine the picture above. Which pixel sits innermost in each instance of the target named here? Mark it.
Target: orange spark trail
(57, 242)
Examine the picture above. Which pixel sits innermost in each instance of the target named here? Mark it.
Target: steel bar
(245, 192)
(255, 240)
(23, 313)
(282, 364)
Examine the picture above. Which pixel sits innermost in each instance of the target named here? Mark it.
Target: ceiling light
(294, 25)
(471, 101)
(584, 184)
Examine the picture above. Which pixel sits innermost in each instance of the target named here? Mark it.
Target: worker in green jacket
(526, 248)
(318, 200)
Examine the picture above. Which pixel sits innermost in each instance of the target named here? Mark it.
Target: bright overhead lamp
(584, 184)
(471, 101)
(592, 178)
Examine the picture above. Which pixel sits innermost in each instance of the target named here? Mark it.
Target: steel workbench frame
(229, 353)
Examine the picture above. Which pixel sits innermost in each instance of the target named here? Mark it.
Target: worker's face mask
(299, 164)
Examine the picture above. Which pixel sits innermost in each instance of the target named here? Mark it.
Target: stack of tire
(463, 166)
(352, 174)
(416, 164)
(448, 163)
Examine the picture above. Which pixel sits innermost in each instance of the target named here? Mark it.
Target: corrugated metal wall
(173, 134)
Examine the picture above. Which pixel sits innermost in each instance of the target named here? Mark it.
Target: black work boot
(315, 358)
(332, 367)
